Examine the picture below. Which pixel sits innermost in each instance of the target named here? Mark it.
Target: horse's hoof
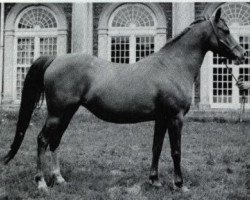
(42, 186)
(6, 159)
(43, 190)
(181, 188)
(184, 189)
(156, 183)
(57, 180)
(62, 183)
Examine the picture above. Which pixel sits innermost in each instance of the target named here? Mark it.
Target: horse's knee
(53, 145)
(42, 141)
(52, 123)
(54, 141)
(176, 155)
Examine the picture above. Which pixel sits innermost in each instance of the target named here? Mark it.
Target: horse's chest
(176, 98)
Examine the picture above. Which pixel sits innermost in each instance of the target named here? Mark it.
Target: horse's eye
(226, 31)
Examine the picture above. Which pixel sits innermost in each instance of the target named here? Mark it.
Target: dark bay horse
(157, 88)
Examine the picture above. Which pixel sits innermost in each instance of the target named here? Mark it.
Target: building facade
(118, 32)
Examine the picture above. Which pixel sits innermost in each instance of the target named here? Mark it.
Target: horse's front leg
(159, 134)
(175, 128)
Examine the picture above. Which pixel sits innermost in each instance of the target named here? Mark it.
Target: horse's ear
(217, 15)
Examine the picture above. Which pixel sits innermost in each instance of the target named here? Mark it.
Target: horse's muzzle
(240, 56)
(239, 61)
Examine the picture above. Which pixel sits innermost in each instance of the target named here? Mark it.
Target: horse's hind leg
(175, 128)
(42, 144)
(159, 134)
(55, 170)
(54, 143)
(51, 135)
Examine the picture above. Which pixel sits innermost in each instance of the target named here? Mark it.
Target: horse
(157, 88)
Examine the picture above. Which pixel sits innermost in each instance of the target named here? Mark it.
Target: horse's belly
(121, 117)
(122, 110)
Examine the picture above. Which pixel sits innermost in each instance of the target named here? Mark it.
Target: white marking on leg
(182, 188)
(42, 186)
(56, 168)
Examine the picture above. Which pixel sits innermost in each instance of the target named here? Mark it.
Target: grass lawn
(101, 160)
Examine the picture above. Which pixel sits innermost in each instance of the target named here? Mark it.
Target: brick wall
(67, 7)
(97, 10)
(7, 7)
(199, 7)
(167, 8)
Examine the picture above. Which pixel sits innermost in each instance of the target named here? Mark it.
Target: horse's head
(222, 42)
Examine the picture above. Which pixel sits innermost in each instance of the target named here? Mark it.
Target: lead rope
(243, 99)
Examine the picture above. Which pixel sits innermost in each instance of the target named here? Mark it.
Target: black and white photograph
(124, 100)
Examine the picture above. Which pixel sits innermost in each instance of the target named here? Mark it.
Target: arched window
(132, 16)
(133, 31)
(236, 13)
(224, 91)
(38, 17)
(36, 34)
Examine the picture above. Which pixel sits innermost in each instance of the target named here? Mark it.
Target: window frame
(35, 33)
(131, 32)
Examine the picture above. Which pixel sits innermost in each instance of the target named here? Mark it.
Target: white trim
(40, 34)
(132, 32)
(132, 48)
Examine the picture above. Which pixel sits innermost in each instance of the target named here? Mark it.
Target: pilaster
(82, 28)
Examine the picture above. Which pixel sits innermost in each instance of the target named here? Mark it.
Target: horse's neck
(187, 53)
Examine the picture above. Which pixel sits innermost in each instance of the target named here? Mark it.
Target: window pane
(222, 85)
(48, 46)
(144, 46)
(120, 49)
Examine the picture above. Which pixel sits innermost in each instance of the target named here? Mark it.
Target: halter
(228, 49)
(220, 41)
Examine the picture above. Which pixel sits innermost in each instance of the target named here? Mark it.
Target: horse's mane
(176, 38)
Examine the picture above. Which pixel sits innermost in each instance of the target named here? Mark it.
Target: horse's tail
(32, 90)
